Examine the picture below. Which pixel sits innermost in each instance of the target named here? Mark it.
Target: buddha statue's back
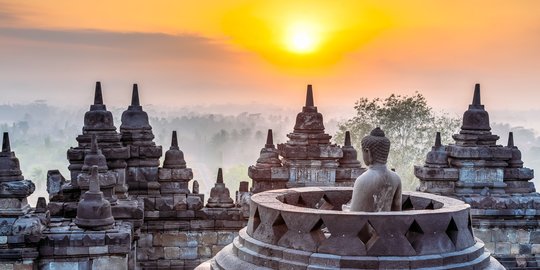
(377, 189)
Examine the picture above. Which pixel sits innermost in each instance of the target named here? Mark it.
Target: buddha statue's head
(375, 147)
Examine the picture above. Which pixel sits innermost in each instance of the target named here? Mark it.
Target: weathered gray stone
(502, 248)
(171, 253)
(93, 211)
(219, 194)
(209, 238)
(61, 266)
(224, 238)
(110, 262)
(493, 181)
(308, 158)
(309, 238)
(188, 253)
(98, 250)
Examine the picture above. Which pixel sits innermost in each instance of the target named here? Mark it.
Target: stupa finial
(476, 97)
(98, 96)
(347, 138)
(219, 179)
(309, 96)
(135, 96)
(174, 140)
(511, 139)
(269, 139)
(438, 140)
(6, 147)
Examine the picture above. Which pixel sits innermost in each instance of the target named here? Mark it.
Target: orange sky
(203, 52)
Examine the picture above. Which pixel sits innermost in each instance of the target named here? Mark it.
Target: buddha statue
(378, 189)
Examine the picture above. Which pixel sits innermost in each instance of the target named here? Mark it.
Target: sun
(302, 38)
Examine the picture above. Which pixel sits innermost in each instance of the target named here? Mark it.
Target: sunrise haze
(215, 52)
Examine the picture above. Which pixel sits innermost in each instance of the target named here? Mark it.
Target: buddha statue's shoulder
(394, 177)
(369, 179)
(368, 175)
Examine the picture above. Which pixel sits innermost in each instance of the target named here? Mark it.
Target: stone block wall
(97, 263)
(19, 265)
(66, 246)
(508, 225)
(514, 243)
(184, 244)
(181, 249)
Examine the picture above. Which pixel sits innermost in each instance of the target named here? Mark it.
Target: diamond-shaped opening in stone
(413, 234)
(324, 204)
(337, 198)
(437, 205)
(291, 199)
(326, 232)
(301, 202)
(452, 231)
(407, 205)
(430, 206)
(256, 219)
(469, 225)
(310, 199)
(279, 228)
(317, 232)
(367, 234)
(285, 200)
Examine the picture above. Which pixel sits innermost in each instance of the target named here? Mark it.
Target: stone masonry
(120, 209)
(21, 227)
(164, 224)
(93, 240)
(307, 158)
(492, 179)
(144, 154)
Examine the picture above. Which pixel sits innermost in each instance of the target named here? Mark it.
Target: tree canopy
(408, 122)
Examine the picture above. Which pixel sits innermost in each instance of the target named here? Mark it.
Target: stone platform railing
(290, 219)
(304, 228)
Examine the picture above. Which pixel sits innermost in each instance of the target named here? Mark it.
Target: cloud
(63, 64)
(6, 16)
(145, 44)
(9, 13)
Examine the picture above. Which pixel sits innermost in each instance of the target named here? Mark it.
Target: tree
(408, 122)
(234, 175)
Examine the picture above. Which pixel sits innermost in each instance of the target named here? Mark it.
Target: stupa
(93, 211)
(99, 121)
(174, 176)
(304, 228)
(21, 227)
(107, 179)
(220, 196)
(141, 172)
(99, 144)
(492, 179)
(308, 158)
(88, 224)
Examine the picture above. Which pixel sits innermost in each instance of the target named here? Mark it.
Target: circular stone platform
(304, 228)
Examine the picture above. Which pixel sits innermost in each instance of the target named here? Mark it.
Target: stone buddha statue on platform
(378, 189)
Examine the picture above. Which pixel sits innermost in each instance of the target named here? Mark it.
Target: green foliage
(234, 175)
(408, 122)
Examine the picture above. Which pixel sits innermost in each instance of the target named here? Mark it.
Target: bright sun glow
(302, 38)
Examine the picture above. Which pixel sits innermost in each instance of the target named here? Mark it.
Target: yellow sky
(268, 27)
(372, 47)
